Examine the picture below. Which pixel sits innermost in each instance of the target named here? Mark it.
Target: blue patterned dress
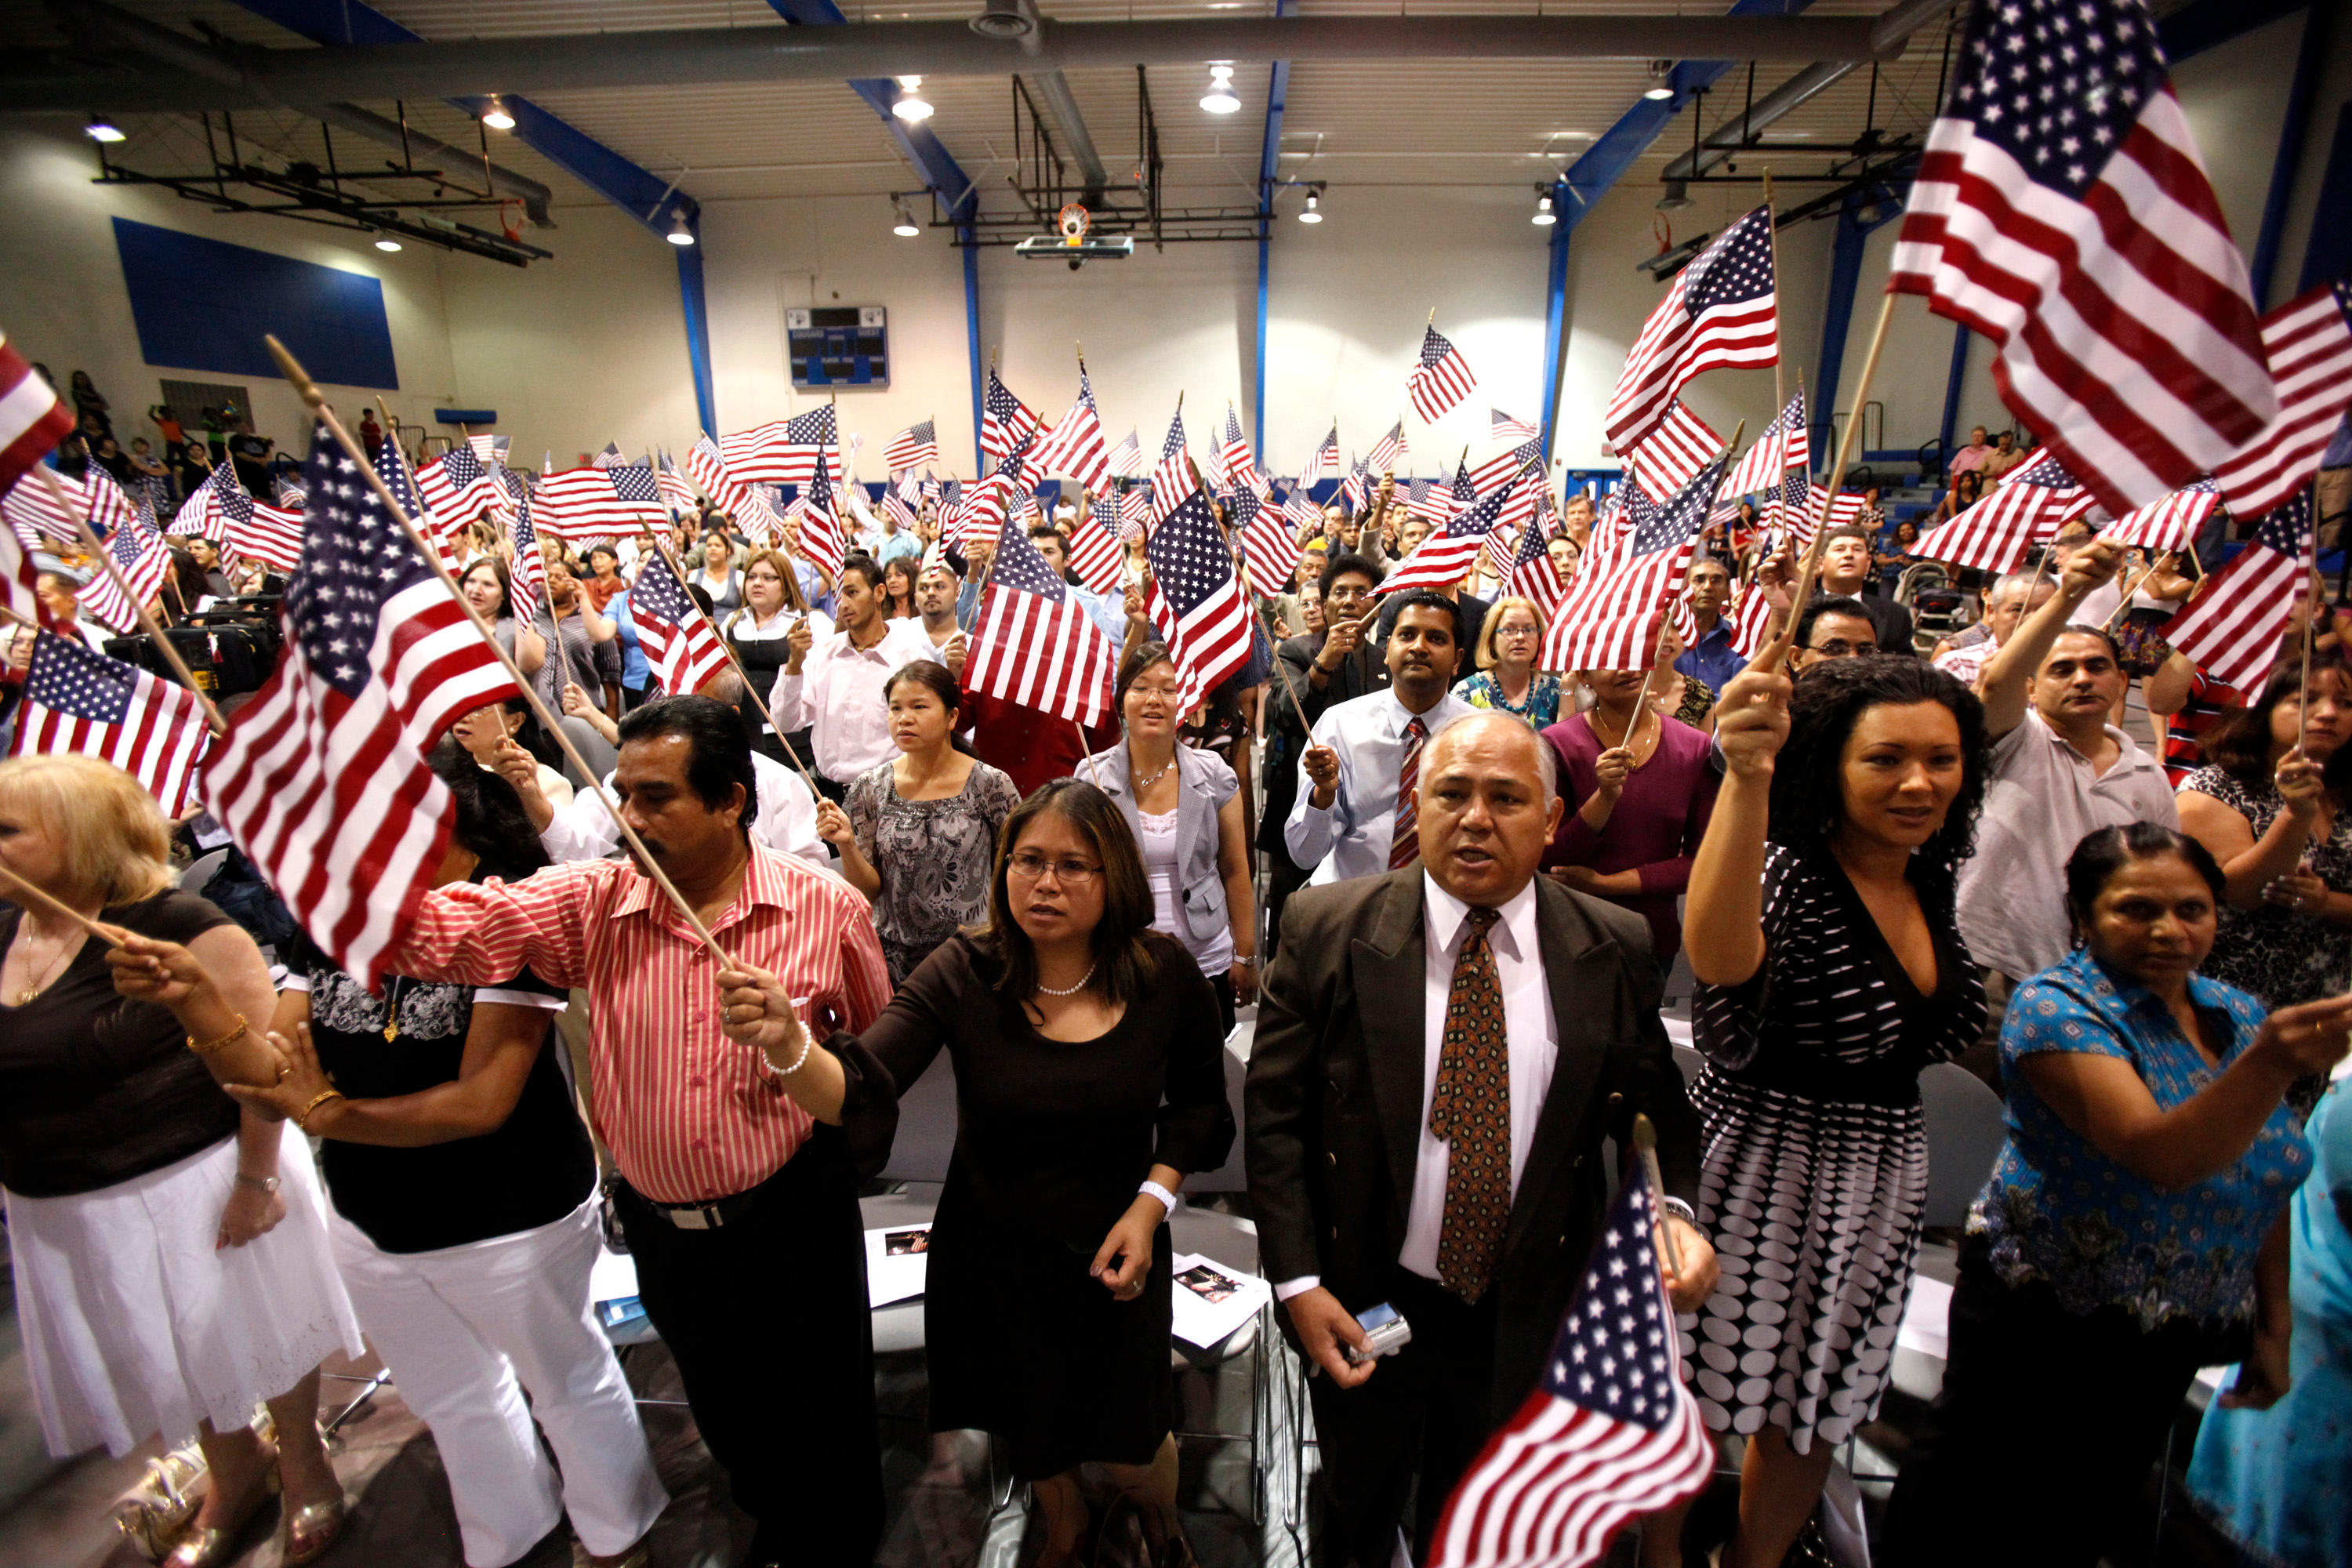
(1541, 709)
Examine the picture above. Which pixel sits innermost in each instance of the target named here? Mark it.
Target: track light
(905, 227)
(101, 130)
(911, 105)
(1660, 89)
(1677, 197)
(679, 235)
(1544, 218)
(1309, 213)
(386, 243)
(495, 116)
(1220, 99)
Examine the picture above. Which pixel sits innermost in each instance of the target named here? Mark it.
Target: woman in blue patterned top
(1507, 680)
(2133, 1229)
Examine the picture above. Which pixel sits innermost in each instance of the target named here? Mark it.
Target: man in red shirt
(739, 1183)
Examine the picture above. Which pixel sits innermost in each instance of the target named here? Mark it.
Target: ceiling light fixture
(101, 130)
(679, 235)
(386, 243)
(1309, 213)
(911, 105)
(1676, 198)
(905, 227)
(1545, 217)
(1220, 99)
(496, 116)
(1660, 89)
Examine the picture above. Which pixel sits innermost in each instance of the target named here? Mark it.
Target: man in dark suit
(1439, 1053)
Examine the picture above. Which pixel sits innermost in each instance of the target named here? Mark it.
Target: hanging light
(1309, 214)
(905, 227)
(911, 105)
(679, 235)
(1660, 89)
(1545, 217)
(1220, 99)
(386, 243)
(495, 116)
(101, 130)
(1677, 197)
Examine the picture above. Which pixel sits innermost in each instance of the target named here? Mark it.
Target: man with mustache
(1362, 769)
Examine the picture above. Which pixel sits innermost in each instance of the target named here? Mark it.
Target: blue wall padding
(205, 305)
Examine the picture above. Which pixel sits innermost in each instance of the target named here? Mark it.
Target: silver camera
(1385, 1334)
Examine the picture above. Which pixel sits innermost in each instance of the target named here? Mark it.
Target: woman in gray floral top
(918, 834)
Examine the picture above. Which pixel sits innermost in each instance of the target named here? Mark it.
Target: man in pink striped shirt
(739, 1183)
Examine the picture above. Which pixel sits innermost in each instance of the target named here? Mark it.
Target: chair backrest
(1965, 1132)
(926, 1126)
(201, 871)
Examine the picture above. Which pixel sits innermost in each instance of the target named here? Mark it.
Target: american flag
(1127, 459)
(32, 419)
(783, 451)
(706, 464)
(675, 493)
(80, 701)
(822, 544)
(1355, 490)
(1782, 446)
(1750, 617)
(1134, 510)
(1674, 452)
(609, 457)
(458, 486)
(527, 578)
(589, 503)
(2032, 503)
(257, 531)
(1847, 508)
(37, 513)
(1035, 643)
(2062, 210)
(1440, 380)
(894, 507)
(1240, 462)
(1095, 553)
(2309, 346)
(1504, 467)
(1718, 313)
(1005, 421)
(1523, 495)
(392, 463)
(1427, 499)
(914, 446)
(321, 777)
(1194, 599)
(199, 516)
(1074, 446)
(139, 553)
(1440, 561)
(677, 638)
(2233, 629)
(2171, 523)
(1502, 426)
(1387, 450)
(490, 449)
(1325, 462)
(1268, 542)
(1608, 1434)
(18, 590)
(1171, 479)
(1532, 574)
(1610, 618)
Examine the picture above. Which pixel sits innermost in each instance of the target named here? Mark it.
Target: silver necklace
(1142, 784)
(1048, 991)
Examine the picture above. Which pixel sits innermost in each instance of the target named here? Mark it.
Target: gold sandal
(211, 1546)
(306, 1533)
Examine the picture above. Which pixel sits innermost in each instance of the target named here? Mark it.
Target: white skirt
(134, 1325)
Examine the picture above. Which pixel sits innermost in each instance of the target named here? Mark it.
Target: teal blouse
(1541, 709)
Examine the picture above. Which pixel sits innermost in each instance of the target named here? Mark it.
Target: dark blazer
(1334, 1100)
(1286, 727)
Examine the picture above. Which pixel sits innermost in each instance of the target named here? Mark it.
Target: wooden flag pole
(113, 936)
(2311, 602)
(2125, 609)
(317, 401)
(1774, 652)
(1645, 1144)
(213, 720)
(1772, 240)
(749, 690)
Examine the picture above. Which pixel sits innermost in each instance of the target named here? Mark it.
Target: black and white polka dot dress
(1816, 1163)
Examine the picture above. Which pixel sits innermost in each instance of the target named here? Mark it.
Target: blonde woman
(772, 606)
(1508, 680)
(172, 1263)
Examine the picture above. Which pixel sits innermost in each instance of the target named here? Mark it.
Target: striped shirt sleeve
(483, 933)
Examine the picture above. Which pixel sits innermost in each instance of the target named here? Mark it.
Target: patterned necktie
(1405, 845)
(1471, 1111)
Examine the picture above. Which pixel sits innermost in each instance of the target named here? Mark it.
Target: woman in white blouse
(772, 606)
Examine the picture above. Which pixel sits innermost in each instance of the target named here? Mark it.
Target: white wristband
(1166, 1198)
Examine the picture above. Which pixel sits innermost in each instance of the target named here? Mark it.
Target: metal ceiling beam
(380, 67)
(1893, 28)
(1054, 88)
(878, 87)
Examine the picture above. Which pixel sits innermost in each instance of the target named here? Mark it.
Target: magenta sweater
(1656, 828)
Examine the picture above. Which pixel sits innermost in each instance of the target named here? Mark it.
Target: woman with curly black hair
(1822, 933)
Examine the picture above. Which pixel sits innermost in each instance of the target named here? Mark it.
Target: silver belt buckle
(699, 1216)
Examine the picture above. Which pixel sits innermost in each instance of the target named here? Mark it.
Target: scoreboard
(841, 345)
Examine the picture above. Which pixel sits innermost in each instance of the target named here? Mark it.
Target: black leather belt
(715, 1215)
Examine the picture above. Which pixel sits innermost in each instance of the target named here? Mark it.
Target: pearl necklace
(1048, 991)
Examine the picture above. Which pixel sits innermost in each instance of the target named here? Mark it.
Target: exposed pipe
(1887, 35)
(163, 44)
(717, 55)
(1054, 88)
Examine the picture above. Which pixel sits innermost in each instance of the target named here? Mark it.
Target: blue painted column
(697, 331)
(1555, 319)
(966, 237)
(1960, 374)
(2318, 22)
(1837, 316)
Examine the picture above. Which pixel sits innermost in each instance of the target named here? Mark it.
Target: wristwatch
(267, 1184)
(1680, 1210)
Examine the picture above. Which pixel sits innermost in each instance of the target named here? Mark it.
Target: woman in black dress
(1088, 1079)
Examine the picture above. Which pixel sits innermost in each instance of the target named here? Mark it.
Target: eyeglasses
(1029, 866)
(1838, 647)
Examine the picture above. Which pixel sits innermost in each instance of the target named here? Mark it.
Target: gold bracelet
(302, 1117)
(207, 1047)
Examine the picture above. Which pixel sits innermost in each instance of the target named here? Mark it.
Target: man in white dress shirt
(1355, 811)
(833, 686)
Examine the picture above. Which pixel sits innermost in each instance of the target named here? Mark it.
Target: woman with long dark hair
(1821, 929)
(2134, 1228)
(1090, 1079)
(899, 589)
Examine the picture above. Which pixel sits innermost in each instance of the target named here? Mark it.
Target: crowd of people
(1454, 884)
